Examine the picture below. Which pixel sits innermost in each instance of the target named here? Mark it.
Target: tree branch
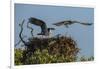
(19, 41)
(20, 34)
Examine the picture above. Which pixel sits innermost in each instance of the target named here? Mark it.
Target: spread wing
(86, 24)
(59, 23)
(67, 22)
(40, 23)
(82, 23)
(36, 21)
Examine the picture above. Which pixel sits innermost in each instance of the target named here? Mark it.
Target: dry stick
(30, 28)
(21, 25)
(19, 41)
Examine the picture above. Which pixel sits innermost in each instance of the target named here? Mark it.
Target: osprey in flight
(70, 22)
(44, 30)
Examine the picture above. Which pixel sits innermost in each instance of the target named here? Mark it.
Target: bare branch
(19, 41)
(20, 34)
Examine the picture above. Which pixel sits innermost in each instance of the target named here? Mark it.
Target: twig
(19, 41)
(21, 25)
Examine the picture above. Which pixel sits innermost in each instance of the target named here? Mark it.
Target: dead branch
(19, 41)
(20, 34)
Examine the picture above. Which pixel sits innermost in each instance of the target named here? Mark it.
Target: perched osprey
(70, 22)
(44, 30)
